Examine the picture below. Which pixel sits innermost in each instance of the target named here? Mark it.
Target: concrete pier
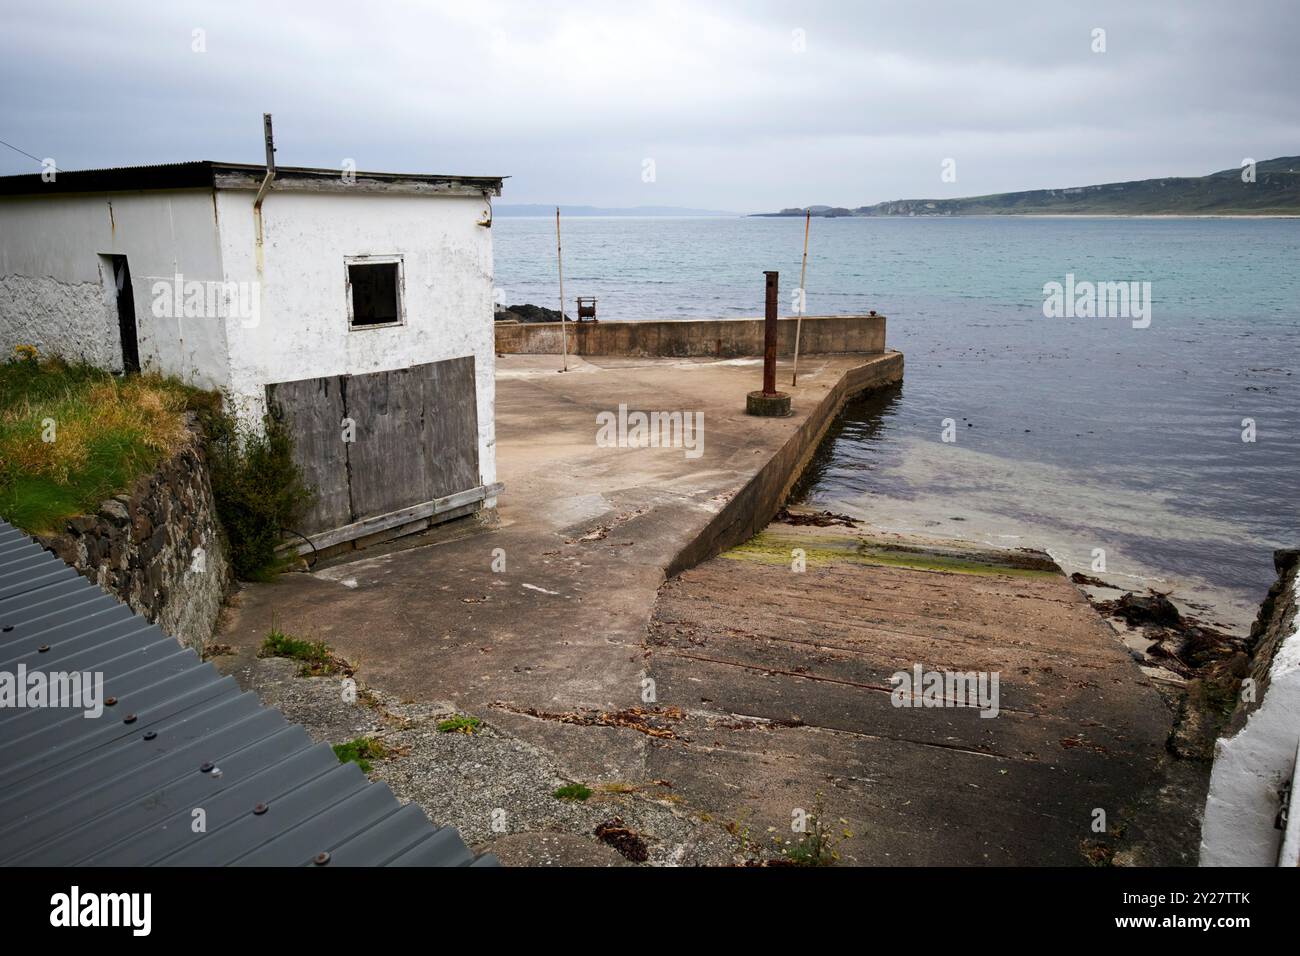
(563, 644)
(587, 534)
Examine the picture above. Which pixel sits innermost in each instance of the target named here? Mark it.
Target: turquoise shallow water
(1071, 434)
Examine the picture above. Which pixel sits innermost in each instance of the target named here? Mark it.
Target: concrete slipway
(769, 686)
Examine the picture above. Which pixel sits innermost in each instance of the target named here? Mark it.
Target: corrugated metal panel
(194, 175)
(120, 789)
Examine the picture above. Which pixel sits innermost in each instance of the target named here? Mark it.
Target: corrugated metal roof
(195, 175)
(121, 789)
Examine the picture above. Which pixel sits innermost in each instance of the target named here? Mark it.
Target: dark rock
(114, 511)
(158, 542)
(153, 576)
(83, 524)
(527, 313)
(1091, 582)
(1239, 665)
(819, 519)
(1170, 646)
(96, 549)
(1152, 608)
(65, 546)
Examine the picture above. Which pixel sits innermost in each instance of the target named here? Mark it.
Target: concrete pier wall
(709, 338)
(749, 510)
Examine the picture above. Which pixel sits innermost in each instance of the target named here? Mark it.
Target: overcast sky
(741, 106)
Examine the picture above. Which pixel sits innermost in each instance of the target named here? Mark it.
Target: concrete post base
(773, 406)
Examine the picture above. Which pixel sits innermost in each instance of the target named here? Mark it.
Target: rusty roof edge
(208, 174)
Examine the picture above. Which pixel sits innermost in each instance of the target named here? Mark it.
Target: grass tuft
(817, 844)
(72, 435)
(316, 657)
(459, 725)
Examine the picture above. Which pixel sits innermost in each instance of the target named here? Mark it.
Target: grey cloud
(569, 98)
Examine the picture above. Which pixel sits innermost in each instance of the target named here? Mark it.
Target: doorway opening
(117, 276)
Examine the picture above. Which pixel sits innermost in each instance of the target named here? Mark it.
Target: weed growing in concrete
(573, 791)
(459, 725)
(316, 657)
(816, 846)
(740, 829)
(361, 751)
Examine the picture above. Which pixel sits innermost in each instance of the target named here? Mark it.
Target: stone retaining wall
(157, 547)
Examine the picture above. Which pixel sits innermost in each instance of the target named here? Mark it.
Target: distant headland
(1271, 188)
(539, 209)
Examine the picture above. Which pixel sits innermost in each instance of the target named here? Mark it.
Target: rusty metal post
(769, 335)
(769, 401)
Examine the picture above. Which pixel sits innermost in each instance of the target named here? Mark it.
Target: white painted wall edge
(1290, 855)
(1252, 767)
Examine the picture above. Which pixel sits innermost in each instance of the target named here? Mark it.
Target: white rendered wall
(302, 329)
(1251, 767)
(53, 294)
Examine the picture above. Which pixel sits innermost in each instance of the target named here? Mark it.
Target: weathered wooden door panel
(313, 411)
(389, 459)
(415, 439)
(452, 405)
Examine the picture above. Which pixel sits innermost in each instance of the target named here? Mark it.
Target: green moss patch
(361, 751)
(775, 547)
(572, 791)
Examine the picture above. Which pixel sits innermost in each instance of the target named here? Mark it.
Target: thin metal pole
(803, 297)
(559, 258)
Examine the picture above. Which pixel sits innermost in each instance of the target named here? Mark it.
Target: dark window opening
(125, 313)
(376, 298)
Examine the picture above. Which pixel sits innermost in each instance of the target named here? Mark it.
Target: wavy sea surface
(1071, 434)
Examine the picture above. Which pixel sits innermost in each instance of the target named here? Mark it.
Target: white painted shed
(373, 286)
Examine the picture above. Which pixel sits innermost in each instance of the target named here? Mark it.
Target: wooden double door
(382, 448)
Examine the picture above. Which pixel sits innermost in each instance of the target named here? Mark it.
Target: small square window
(374, 292)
